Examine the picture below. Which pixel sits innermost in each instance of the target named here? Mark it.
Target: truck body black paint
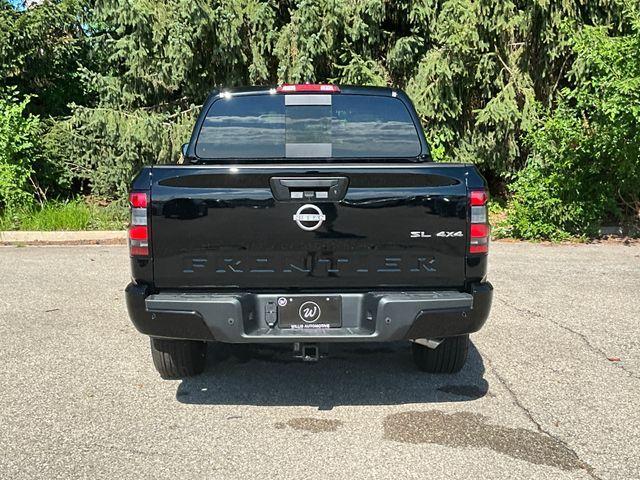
(231, 235)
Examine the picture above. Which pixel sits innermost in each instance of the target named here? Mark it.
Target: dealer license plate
(310, 312)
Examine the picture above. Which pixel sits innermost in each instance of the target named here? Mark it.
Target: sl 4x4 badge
(421, 234)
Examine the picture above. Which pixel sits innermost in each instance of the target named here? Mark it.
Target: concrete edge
(89, 237)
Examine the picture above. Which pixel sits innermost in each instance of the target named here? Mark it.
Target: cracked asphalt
(551, 388)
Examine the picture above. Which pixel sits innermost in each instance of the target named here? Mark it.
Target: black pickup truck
(308, 214)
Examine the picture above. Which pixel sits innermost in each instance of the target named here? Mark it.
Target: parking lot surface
(551, 388)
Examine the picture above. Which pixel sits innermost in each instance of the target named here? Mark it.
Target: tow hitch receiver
(308, 352)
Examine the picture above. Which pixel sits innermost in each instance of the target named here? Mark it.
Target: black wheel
(449, 357)
(178, 358)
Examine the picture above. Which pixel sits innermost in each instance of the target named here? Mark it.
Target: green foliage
(154, 62)
(585, 157)
(121, 142)
(69, 215)
(333, 39)
(507, 85)
(486, 66)
(474, 69)
(40, 49)
(19, 149)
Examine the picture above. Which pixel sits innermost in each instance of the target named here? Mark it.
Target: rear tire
(176, 359)
(449, 357)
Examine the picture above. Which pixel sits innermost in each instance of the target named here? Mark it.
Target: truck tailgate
(234, 227)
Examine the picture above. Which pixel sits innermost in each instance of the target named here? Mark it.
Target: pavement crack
(595, 349)
(589, 470)
(514, 397)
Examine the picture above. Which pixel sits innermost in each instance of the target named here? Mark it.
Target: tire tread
(449, 357)
(174, 359)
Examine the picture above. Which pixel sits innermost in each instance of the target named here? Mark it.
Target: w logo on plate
(309, 312)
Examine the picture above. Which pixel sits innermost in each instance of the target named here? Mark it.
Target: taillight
(307, 87)
(479, 229)
(478, 198)
(138, 229)
(138, 199)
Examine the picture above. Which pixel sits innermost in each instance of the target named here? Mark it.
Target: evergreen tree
(479, 71)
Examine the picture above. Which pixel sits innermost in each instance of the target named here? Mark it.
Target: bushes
(584, 166)
(106, 147)
(562, 190)
(474, 69)
(549, 115)
(40, 48)
(28, 172)
(19, 149)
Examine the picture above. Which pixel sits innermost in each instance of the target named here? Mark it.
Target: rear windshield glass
(297, 126)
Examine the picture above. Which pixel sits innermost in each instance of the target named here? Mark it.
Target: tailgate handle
(314, 183)
(309, 188)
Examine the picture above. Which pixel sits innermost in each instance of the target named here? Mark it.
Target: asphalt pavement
(551, 388)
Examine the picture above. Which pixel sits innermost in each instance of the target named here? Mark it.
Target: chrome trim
(429, 342)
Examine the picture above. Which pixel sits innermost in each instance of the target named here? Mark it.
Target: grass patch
(77, 214)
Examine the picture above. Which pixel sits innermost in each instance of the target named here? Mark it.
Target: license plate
(310, 312)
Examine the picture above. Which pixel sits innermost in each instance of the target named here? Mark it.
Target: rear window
(298, 126)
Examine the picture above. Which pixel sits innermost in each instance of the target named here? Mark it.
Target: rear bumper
(366, 317)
